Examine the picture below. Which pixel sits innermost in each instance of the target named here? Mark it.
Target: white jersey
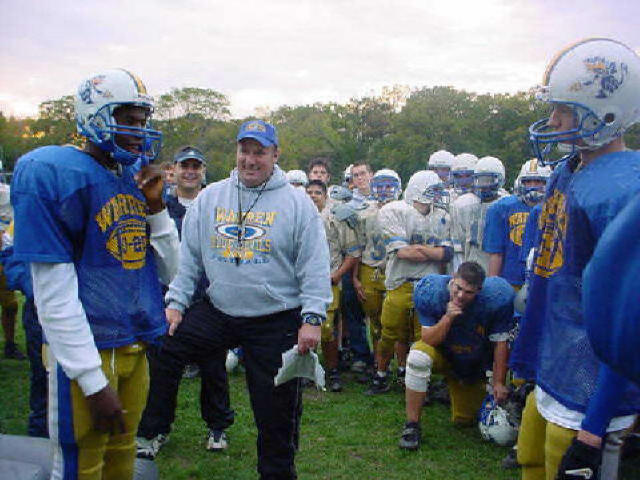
(403, 225)
(468, 216)
(342, 240)
(370, 236)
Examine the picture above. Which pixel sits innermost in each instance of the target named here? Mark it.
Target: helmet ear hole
(609, 118)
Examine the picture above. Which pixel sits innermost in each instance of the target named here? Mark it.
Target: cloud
(293, 51)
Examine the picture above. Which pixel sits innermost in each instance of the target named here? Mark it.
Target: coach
(262, 246)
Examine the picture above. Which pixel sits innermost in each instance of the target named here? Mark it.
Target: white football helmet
(488, 177)
(532, 170)
(495, 425)
(425, 186)
(96, 100)
(386, 185)
(599, 80)
(297, 178)
(440, 162)
(462, 172)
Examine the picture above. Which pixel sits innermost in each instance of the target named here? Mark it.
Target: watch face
(314, 320)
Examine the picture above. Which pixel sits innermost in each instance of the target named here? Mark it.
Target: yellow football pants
(328, 326)
(399, 320)
(541, 444)
(466, 398)
(81, 452)
(372, 280)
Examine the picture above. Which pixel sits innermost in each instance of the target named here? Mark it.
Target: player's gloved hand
(345, 212)
(149, 180)
(580, 461)
(340, 193)
(106, 411)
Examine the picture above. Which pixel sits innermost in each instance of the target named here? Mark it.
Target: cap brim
(184, 159)
(263, 141)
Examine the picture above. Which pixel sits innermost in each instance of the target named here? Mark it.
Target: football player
(8, 297)
(368, 276)
(440, 162)
(95, 277)
(468, 212)
(506, 220)
(344, 252)
(355, 345)
(593, 91)
(416, 232)
(461, 317)
(462, 174)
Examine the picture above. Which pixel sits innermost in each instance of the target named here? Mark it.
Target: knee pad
(418, 371)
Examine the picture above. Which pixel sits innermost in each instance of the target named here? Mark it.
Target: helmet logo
(604, 76)
(90, 86)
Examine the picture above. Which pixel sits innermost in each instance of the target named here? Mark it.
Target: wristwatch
(312, 319)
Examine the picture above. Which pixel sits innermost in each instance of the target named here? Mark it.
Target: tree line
(398, 129)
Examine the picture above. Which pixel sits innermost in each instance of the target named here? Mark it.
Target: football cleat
(411, 436)
(149, 448)
(333, 380)
(378, 385)
(217, 441)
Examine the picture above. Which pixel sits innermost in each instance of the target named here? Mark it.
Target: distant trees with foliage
(398, 128)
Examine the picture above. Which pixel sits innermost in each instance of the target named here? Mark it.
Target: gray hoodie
(281, 263)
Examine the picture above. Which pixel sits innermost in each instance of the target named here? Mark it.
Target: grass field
(344, 436)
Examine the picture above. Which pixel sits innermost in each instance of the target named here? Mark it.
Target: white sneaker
(217, 441)
(149, 448)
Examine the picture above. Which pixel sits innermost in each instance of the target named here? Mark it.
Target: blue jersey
(503, 234)
(530, 236)
(552, 346)
(610, 289)
(70, 209)
(489, 318)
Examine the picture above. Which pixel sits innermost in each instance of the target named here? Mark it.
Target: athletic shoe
(191, 371)
(217, 440)
(358, 366)
(12, 352)
(149, 448)
(410, 438)
(511, 460)
(378, 385)
(333, 380)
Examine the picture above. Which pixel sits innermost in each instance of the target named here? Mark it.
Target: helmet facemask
(486, 185)
(462, 180)
(385, 189)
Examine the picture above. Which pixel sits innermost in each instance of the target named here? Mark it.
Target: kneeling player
(461, 316)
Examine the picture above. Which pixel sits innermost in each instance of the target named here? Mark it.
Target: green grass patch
(344, 436)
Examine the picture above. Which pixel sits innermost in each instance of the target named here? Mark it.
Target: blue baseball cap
(188, 153)
(259, 130)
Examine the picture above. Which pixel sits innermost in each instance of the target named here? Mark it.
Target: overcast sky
(276, 52)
